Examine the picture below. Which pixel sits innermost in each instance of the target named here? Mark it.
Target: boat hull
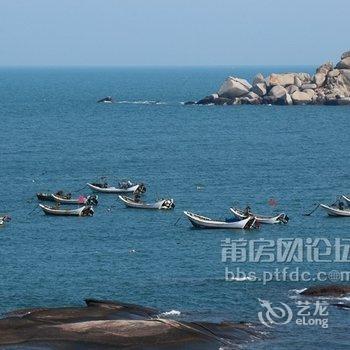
(164, 204)
(278, 219)
(332, 211)
(113, 190)
(203, 222)
(45, 197)
(82, 211)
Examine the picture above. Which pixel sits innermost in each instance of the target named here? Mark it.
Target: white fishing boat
(127, 188)
(165, 204)
(335, 211)
(85, 210)
(204, 222)
(89, 200)
(262, 219)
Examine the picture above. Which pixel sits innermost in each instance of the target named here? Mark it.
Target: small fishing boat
(346, 199)
(4, 219)
(160, 204)
(124, 187)
(262, 219)
(43, 196)
(333, 210)
(86, 210)
(204, 222)
(89, 200)
(107, 99)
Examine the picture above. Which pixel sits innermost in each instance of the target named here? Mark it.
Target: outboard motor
(284, 218)
(88, 211)
(141, 188)
(92, 200)
(7, 218)
(169, 204)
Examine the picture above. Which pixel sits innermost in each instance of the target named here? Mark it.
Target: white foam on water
(298, 291)
(145, 102)
(171, 313)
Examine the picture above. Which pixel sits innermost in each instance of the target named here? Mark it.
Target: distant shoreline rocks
(330, 85)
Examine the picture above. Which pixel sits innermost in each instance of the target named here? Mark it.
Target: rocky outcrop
(234, 87)
(329, 85)
(327, 291)
(113, 325)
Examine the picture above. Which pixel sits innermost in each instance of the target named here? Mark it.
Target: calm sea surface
(55, 136)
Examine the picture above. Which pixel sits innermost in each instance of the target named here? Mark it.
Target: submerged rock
(328, 290)
(112, 325)
(208, 100)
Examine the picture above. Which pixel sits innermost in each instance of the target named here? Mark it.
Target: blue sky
(161, 32)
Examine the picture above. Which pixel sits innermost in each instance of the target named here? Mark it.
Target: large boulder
(288, 99)
(297, 82)
(346, 75)
(311, 93)
(333, 73)
(277, 92)
(259, 89)
(319, 79)
(345, 55)
(304, 77)
(234, 87)
(278, 95)
(291, 89)
(344, 63)
(325, 68)
(300, 98)
(283, 79)
(259, 78)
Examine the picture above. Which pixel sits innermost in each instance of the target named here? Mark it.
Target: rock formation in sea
(113, 325)
(330, 85)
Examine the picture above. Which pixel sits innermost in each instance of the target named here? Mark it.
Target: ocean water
(55, 136)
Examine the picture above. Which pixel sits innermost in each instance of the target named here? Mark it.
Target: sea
(55, 136)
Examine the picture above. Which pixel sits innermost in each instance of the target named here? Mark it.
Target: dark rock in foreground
(114, 325)
(329, 86)
(327, 291)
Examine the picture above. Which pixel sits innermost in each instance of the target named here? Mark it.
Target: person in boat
(247, 211)
(341, 206)
(137, 197)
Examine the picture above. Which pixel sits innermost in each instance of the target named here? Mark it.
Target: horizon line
(155, 65)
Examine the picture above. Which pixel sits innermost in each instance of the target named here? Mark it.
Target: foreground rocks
(329, 85)
(114, 325)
